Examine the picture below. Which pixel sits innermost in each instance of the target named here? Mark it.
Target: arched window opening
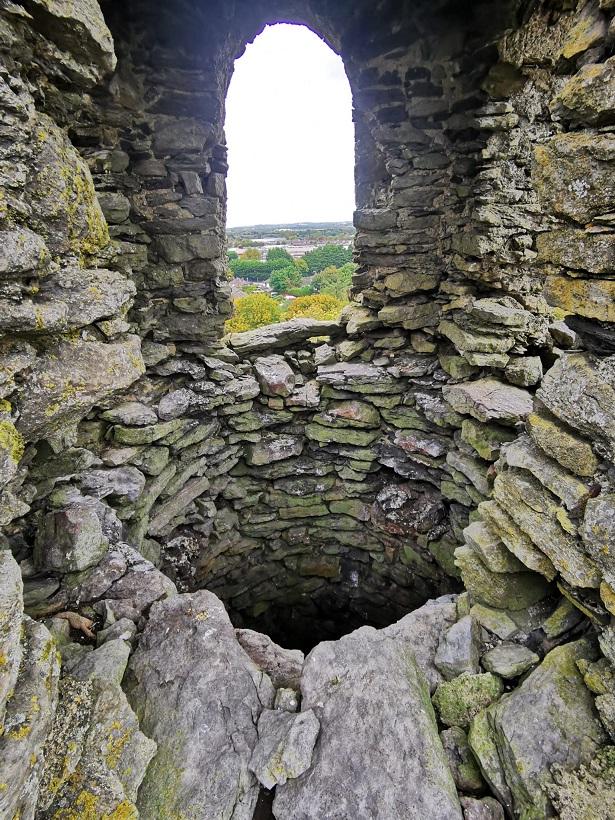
(290, 141)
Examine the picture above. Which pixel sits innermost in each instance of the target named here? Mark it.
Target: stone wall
(453, 431)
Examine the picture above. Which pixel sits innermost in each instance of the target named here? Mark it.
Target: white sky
(289, 132)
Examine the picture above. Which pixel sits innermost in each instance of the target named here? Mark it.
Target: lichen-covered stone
(516, 590)
(547, 524)
(589, 791)
(572, 174)
(555, 698)
(509, 660)
(593, 298)
(458, 700)
(598, 532)
(11, 612)
(27, 721)
(558, 441)
(461, 761)
(285, 745)
(66, 382)
(489, 400)
(580, 390)
(211, 680)
(586, 98)
(578, 250)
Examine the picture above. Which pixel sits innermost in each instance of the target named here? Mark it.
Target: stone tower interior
(420, 495)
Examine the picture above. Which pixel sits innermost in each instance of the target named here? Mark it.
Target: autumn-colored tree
(251, 254)
(253, 311)
(319, 306)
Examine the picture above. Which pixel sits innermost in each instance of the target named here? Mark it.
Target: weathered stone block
(587, 98)
(593, 298)
(69, 540)
(573, 175)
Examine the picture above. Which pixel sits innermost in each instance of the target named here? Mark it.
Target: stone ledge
(283, 334)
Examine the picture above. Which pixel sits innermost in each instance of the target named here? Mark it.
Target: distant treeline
(249, 266)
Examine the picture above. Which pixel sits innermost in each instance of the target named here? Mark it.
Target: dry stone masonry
(352, 569)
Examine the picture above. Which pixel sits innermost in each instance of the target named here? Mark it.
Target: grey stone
(485, 809)
(175, 404)
(274, 376)
(272, 337)
(525, 372)
(458, 649)
(27, 720)
(70, 539)
(21, 252)
(379, 745)
(11, 612)
(554, 698)
(115, 206)
(509, 660)
(489, 400)
(78, 27)
(282, 665)
(120, 482)
(106, 663)
(211, 683)
(461, 761)
(273, 447)
(132, 413)
(285, 745)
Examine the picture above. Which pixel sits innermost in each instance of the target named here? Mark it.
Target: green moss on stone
(459, 700)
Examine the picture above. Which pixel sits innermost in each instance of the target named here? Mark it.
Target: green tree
(279, 253)
(334, 281)
(253, 311)
(284, 279)
(232, 255)
(327, 256)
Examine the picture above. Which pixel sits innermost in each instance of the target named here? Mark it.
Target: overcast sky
(289, 132)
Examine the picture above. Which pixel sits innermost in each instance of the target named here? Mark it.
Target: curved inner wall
(453, 431)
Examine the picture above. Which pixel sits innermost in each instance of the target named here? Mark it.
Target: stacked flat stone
(456, 423)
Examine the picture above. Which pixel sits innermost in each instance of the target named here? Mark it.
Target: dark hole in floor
(328, 617)
(264, 805)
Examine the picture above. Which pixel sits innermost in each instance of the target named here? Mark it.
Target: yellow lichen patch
(564, 520)
(607, 593)
(11, 441)
(85, 807)
(202, 616)
(19, 734)
(69, 391)
(116, 744)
